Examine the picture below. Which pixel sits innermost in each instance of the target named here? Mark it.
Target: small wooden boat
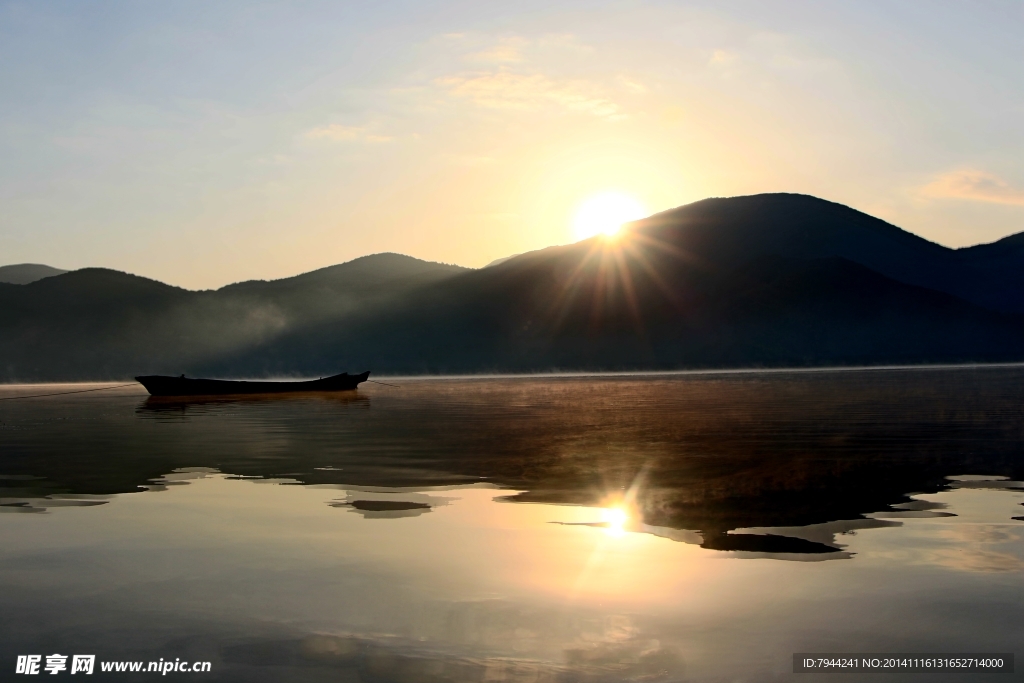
(159, 385)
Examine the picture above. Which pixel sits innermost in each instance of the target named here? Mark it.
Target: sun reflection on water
(615, 520)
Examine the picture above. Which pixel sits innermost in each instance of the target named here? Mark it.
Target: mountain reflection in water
(706, 453)
(532, 529)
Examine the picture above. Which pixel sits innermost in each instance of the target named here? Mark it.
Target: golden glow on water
(589, 583)
(615, 520)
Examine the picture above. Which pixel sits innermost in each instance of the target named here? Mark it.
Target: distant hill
(768, 280)
(96, 323)
(24, 273)
(501, 260)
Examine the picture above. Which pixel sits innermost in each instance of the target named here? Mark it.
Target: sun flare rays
(605, 213)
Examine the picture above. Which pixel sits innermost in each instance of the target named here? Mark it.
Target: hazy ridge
(24, 273)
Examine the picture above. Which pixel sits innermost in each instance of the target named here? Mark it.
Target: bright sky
(202, 143)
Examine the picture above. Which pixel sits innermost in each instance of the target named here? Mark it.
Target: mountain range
(763, 280)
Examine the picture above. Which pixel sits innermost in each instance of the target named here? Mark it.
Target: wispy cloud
(517, 74)
(723, 58)
(631, 85)
(472, 160)
(506, 51)
(776, 53)
(531, 92)
(336, 132)
(974, 185)
(565, 43)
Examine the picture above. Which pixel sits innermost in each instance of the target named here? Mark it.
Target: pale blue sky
(202, 143)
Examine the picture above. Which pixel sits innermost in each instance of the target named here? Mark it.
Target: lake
(687, 527)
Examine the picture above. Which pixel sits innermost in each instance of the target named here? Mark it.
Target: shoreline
(554, 374)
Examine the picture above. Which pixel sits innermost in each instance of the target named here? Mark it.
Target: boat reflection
(197, 404)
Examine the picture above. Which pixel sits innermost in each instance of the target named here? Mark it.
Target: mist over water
(656, 528)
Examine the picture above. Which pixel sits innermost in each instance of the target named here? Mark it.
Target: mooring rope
(384, 383)
(65, 393)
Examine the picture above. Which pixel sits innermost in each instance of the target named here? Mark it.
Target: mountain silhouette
(24, 273)
(766, 280)
(727, 232)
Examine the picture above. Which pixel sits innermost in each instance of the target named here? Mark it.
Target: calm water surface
(662, 528)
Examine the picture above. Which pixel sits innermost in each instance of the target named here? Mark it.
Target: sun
(604, 214)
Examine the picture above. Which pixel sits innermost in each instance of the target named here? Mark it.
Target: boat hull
(160, 385)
